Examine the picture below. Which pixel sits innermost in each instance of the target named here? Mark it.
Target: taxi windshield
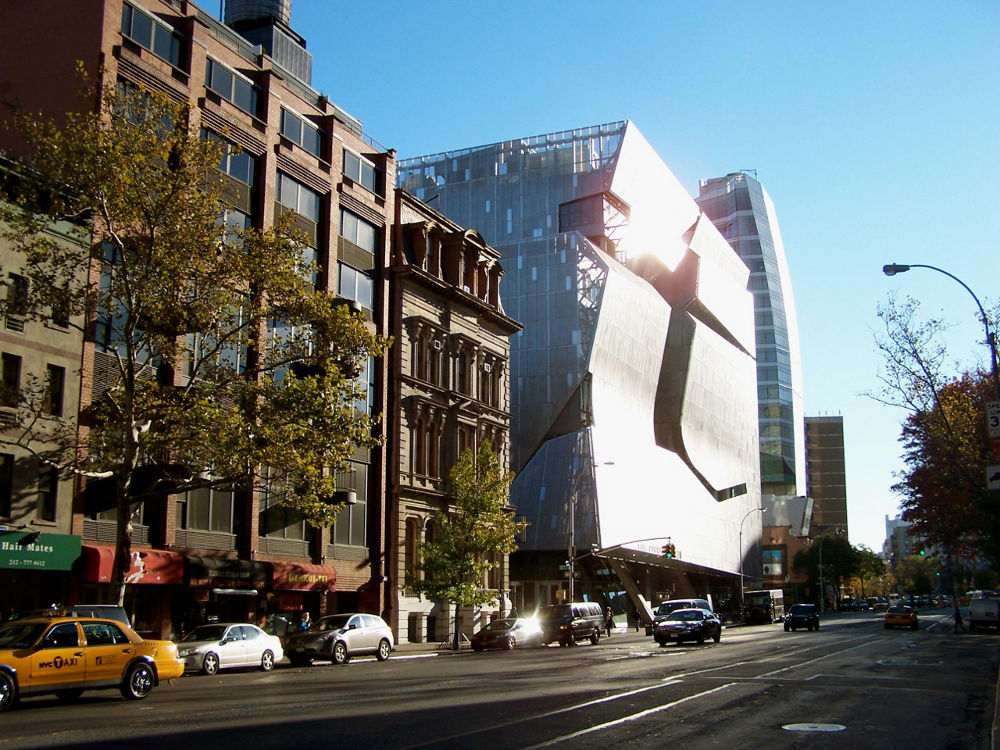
(21, 634)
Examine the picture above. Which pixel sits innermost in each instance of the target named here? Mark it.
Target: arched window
(411, 563)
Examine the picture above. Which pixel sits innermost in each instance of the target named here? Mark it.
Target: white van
(984, 613)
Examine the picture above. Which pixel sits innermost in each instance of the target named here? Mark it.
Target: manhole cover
(814, 727)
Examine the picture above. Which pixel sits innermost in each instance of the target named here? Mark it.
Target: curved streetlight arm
(892, 269)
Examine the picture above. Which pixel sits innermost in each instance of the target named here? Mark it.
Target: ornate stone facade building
(449, 384)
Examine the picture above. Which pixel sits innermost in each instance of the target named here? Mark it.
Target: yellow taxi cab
(902, 616)
(67, 655)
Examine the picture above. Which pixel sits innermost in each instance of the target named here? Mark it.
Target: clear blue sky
(874, 126)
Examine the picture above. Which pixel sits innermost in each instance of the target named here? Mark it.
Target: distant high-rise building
(826, 474)
(634, 410)
(743, 212)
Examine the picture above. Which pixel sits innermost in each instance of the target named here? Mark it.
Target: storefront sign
(224, 573)
(303, 577)
(31, 550)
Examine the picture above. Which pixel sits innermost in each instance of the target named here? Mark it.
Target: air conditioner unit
(436, 343)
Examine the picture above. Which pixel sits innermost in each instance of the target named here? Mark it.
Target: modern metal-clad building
(634, 379)
(744, 213)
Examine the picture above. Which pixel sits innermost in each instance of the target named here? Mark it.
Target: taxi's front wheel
(138, 682)
(8, 691)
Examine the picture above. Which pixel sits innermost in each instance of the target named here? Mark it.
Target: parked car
(570, 623)
(508, 634)
(901, 615)
(67, 655)
(209, 648)
(339, 637)
(802, 616)
(688, 625)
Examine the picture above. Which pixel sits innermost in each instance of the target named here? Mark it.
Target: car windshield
(686, 615)
(21, 634)
(898, 609)
(334, 622)
(801, 609)
(206, 633)
(500, 625)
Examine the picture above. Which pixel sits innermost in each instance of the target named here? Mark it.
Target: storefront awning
(302, 577)
(147, 565)
(225, 573)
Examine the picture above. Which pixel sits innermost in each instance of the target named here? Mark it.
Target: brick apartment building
(209, 553)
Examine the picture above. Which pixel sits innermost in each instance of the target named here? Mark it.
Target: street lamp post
(749, 513)
(572, 529)
(893, 268)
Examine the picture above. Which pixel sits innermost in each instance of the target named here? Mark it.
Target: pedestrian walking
(958, 619)
(609, 620)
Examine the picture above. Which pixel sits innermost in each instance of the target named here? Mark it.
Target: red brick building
(209, 553)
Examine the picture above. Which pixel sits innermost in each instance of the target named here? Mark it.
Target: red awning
(303, 576)
(148, 565)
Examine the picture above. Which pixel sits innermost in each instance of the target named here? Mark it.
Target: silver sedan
(209, 648)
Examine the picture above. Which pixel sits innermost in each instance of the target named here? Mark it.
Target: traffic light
(668, 551)
(920, 549)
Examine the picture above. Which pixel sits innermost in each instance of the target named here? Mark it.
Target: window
(294, 195)
(206, 510)
(275, 520)
(56, 386)
(411, 564)
(357, 230)
(367, 377)
(17, 302)
(231, 86)
(6, 483)
(10, 379)
(359, 169)
(48, 491)
(59, 315)
(152, 34)
(350, 526)
(237, 163)
(355, 285)
(103, 634)
(302, 132)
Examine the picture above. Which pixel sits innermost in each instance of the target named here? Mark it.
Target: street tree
(944, 435)
(917, 574)
(840, 561)
(472, 534)
(870, 571)
(218, 363)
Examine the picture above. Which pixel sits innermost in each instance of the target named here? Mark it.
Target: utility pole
(572, 543)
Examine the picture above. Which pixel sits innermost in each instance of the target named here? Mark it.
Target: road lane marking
(625, 719)
(665, 683)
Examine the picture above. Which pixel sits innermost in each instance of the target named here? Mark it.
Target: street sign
(993, 418)
(993, 477)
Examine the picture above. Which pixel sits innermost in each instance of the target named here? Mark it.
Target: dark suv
(688, 625)
(569, 623)
(802, 616)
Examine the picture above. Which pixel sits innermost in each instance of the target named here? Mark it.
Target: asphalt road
(853, 684)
